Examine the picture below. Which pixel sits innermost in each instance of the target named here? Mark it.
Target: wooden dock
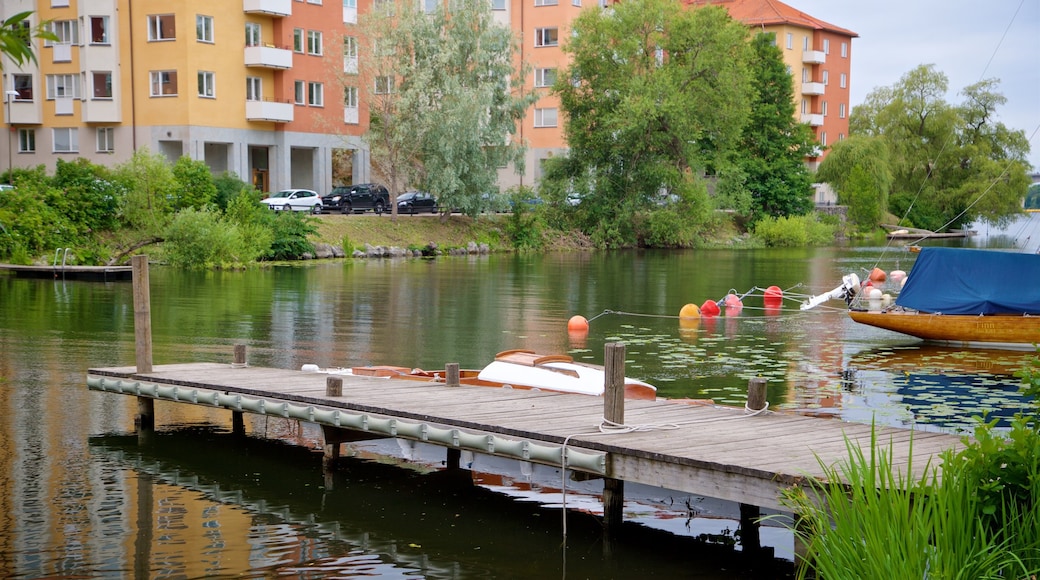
(95, 273)
(706, 450)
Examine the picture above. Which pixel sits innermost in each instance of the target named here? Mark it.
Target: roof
(968, 281)
(772, 13)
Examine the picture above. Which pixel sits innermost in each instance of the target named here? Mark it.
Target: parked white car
(294, 200)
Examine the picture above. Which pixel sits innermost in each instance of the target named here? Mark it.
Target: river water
(84, 495)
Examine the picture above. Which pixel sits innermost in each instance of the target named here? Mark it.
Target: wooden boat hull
(957, 329)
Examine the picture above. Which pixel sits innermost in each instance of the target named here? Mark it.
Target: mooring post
(240, 357)
(334, 386)
(451, 375)
(143, 335)
(750, 537)
(613, 411)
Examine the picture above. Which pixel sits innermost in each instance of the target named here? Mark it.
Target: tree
(774, 145)
(655, 93)
(195, 187)
(950, 164)
(445, 99)
(869, 155)
(16, 35)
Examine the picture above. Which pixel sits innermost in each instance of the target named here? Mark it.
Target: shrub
(290, 231)
(804, 230)
(524, 225)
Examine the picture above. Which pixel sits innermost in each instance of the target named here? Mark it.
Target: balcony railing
(351, 115)
(63, 106)
(812, 89)
(101, 111)
(814, 57)
(278, 8)
(814, 119)
(349, 15)
(271, 111)
(268, 56)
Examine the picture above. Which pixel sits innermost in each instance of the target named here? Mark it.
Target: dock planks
(701, 449)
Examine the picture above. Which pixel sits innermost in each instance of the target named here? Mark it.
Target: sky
(968, 40)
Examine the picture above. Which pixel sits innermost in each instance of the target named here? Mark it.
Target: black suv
(357, 198)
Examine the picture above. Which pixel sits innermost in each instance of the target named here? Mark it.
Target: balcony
(25, 112)
(277, 8)
(270, 111)
(268, 57)
(814, 120)
(812, 89)
(814, 57)
(101, 111)
(62, 53)
(63, 106)
(349, 15)
(351, 115)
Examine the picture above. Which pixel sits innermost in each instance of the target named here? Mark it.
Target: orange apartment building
(255, 86)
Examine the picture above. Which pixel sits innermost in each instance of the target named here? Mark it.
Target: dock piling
(451, 375)
(613, 411)
(334, 386)
(240, 357)
(750, 537)
(143, 336)
(756, 394)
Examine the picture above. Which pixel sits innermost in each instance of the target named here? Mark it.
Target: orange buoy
(878, 275)
(577, 323)
(773, 297)
(709, 308)
(689, 311)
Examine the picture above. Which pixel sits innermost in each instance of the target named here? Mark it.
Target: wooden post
(143, 336)
(454, 459)
(613, 411)
(238, 423)
(334, 386)
(240, 356)
(756, 394)
(451, 375)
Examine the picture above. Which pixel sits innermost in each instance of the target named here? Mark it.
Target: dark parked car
(415, 202)
(357, 198)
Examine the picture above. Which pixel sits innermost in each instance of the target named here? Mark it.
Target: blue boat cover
(966, 281)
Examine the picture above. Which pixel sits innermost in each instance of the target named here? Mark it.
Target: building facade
(256, 87)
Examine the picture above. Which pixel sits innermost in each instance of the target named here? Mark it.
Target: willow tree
(655, 93)
(950, 163)
(445, 97)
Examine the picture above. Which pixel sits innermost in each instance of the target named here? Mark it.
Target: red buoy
(773, 297)
(710, 308)
(577, 324)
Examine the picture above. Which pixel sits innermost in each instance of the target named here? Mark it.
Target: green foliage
(28, 226)
(1033, 197)
(16, 38)
(150, 187)
(291, 231)
(864, 200)
(524, 225)
(871, 156)
(228, 186)
(447, 124)
(199, 239)
(88, 196)
(194, 187)
(774, 145)
(655, 93)
(950, 164)
(807, 230)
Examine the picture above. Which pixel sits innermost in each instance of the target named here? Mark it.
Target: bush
(290, 231)
(803, 230)
(524, 225)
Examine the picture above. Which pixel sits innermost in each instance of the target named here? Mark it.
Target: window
(207, 84)
(498, 4)
(316, 94)
(544, 77)
(102, 82)
(350, 54)
(841, 110)
(826, 77)
(350, 3)
(161, 27)
(844, 80)
(430, 6)
(576, 3)
(545, 117)
(841, 136)
(203, 28)
(823, 138)
(826, 46)
(805, 43)
(790, 41)
(253, 34)
(314, 2)
(297, 40)
(62, 86)
(66, 140)
(844, 50)
(67, 32)
(824, 108)
(27, 140)
(350, 97)
(99, 30)
(253, 92)
(106, 139)
(299, 92)
(314, 42)
(805, 106)
(805, 75)
(23, 85)
(546, 37)
(545, 2)
(164, 83)
(384, 85)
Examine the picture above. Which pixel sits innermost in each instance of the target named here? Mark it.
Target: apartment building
(247, 86)
(817, 54)
(256, 87)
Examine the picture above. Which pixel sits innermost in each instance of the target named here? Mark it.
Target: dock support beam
(750, 537)
(613, 411)
(143, 336)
